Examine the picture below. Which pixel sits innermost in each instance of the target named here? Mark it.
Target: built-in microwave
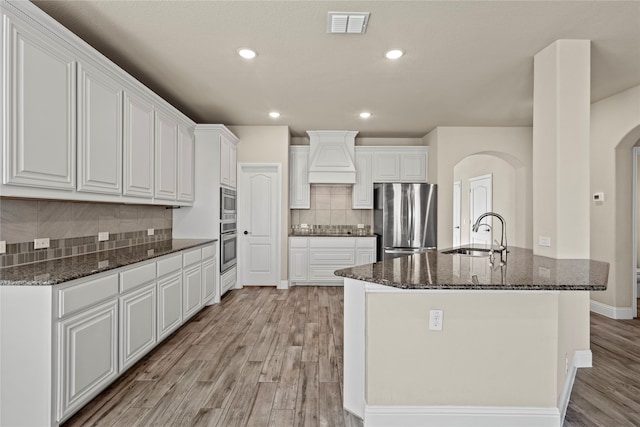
(227, 204)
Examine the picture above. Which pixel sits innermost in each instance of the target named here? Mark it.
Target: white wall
(450, 145)
(269, 144)
(615, 129)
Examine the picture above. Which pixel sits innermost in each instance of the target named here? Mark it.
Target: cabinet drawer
(324, 274)
(339, 257)
(191, 257)
(82, 295)
(332, 242)
(299, 242)
(135, 277)
(208, 252)
(169, 264)
(366, 242)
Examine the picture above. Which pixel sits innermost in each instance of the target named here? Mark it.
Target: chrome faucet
(503, 237)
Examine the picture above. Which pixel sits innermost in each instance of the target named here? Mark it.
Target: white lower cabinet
(88, 356)
(192, 290)
(137, 324)
(169, 304)
(228, 280)
(208, 280)
(313, 260)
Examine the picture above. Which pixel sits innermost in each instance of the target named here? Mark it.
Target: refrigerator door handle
(404, 251)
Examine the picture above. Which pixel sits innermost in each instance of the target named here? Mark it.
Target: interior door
(480, 201)
(259, 198)
(456, 213)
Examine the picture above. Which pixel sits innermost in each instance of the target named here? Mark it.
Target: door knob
(246, 232)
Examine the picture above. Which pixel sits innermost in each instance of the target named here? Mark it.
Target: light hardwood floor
(267, 357)
(262, 357)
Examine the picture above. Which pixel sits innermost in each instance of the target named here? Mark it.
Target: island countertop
(60, 270)
(522, 271)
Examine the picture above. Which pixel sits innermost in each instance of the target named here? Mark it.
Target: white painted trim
(611, 312)
(461, 416)
(634, 232)
(581, 359)
(284, 284)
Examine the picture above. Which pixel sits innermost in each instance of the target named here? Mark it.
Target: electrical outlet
(435, 320)
(3, 247)
(103, 264)
(41, 243)
(102, 236)
(544, 272)
(150, 232)
(566, 363)
(544, 241)
(151, 252)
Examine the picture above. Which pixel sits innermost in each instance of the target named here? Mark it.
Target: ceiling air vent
(347, 22)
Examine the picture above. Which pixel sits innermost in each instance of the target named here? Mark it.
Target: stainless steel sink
(468, 252)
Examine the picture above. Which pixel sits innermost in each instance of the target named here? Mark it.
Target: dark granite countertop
(56, 271)
(522, 271)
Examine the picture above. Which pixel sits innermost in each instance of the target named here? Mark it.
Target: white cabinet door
(137, 324)
(365, 256)
(138, 146)
(88, 356)
(99, 132)
(186, 165)
(413, 166)
(362, 195)
(208, 280)
(166, 157)
(225, 167)
(299, 189)
(298, 265)
(40, 118)
(192, 290)
(386, 166)
(169, 304)
(233, 171)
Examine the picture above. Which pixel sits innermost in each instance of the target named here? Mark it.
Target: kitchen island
(514, 329)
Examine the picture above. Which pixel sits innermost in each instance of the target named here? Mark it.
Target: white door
(259, 223)
(480, 201)
(456, 213)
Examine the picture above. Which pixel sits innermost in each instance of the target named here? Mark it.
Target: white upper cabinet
(228, 171)
(138, 146)
(166, 157)
(40, 114)
(400, 164)
(413, 166)
(186, 165)
(299, 189)
(100, 101)
(362, 194)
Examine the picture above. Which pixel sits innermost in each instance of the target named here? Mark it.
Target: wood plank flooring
(267, 357)
(262, 357)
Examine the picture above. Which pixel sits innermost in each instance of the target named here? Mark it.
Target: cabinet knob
(246, 232)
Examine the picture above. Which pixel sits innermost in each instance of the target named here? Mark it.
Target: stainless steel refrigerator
(404, 218)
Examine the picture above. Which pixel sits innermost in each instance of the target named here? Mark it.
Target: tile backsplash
(73, 227)
(331, 205)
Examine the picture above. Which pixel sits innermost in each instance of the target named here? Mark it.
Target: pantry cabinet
(99, 150)
(40, 117)
(299, 188)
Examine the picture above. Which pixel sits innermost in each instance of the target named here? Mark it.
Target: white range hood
(332, 157)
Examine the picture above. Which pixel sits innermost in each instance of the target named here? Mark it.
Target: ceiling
(467, 63)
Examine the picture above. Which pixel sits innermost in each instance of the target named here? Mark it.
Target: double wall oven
(228, 232)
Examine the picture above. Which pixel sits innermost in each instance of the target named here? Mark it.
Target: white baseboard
(461, 416)
(581, 359)
(284, 284)
(610, 311)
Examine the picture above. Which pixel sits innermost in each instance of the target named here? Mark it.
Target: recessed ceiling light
(394, 54)
(247, 53)
(365, 115)
(274, 114)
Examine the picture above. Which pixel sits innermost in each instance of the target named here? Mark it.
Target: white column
(561, 113)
